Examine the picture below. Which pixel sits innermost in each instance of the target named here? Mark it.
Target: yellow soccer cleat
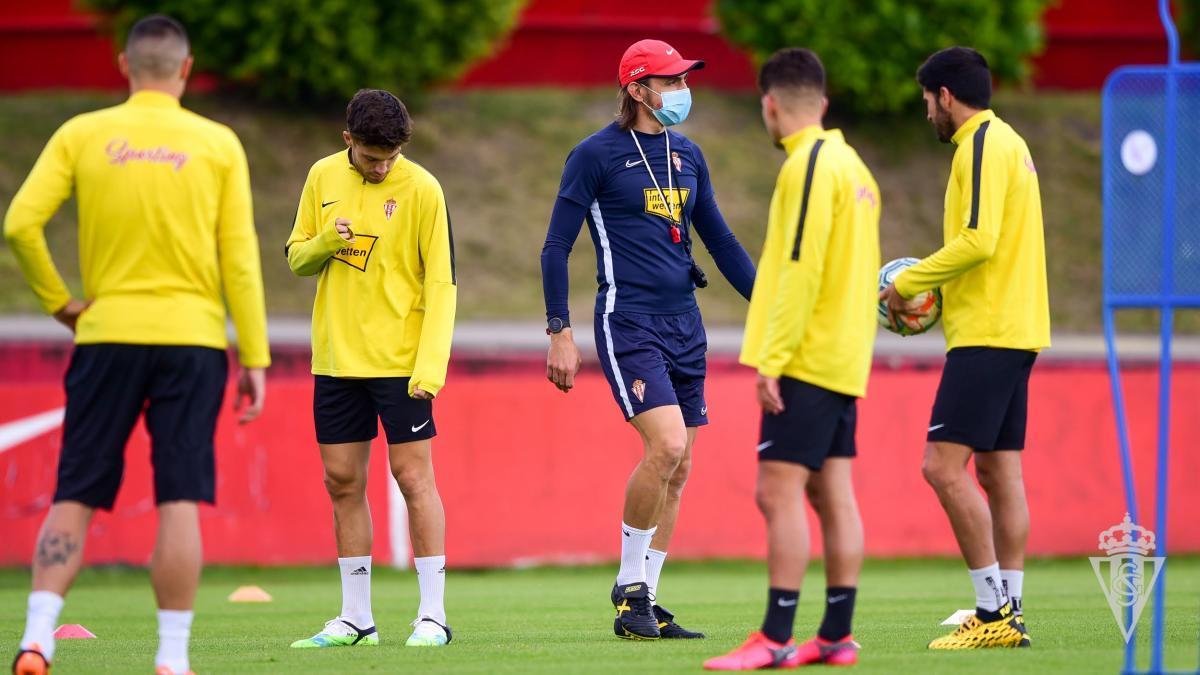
(1025, 640)
(974, 633)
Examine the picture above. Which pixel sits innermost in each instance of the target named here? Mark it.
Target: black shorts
(108, 386)
(983, 398)
(348, 410)
(815, 424)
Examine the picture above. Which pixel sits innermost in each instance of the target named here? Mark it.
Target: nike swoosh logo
(632, 164)
(936, 427)
(670, 51)
(416, 429)
(837, 598)
(764, 446)
(787, 603)
(781, 656)
(704, 410)
(324, 204)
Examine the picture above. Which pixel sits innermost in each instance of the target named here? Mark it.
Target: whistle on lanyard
(675, 236)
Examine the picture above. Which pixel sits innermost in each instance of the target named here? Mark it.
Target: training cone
(73, 631)
(958, 617)
(249, 594)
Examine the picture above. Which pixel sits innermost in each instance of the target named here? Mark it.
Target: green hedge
(872, 48)
(1187, 19)
(290, 50)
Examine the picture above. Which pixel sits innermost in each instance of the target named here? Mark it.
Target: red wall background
(512, 448)
(51, 44)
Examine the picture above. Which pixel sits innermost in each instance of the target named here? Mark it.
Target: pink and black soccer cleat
(844, 652)
(758, 651)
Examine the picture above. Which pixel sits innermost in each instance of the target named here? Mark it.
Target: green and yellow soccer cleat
(974, 633)
(340, 633)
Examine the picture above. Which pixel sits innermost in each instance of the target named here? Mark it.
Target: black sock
(839, 610)
(988, 616)
(781, 614)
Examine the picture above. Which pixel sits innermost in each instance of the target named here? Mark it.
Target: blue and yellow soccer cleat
(429, 633)
(669, 630)
(340, 633)
(975, 633)
(635, 614)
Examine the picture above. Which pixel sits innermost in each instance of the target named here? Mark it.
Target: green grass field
(557, 620)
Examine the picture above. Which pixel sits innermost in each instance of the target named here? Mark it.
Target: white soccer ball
(929, 302)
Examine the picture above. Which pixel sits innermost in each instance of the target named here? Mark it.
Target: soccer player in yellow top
(992, 272)
(166, 240)
(809, 334)
(373, 226)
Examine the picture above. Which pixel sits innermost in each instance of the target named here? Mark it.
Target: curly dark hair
(376, 117)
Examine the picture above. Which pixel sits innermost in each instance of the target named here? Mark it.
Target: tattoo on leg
(55, 548)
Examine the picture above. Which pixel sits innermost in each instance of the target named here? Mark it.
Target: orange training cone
(249, 594)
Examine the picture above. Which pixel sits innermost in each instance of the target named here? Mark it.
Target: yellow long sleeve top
(992, 268)
(385, 302)
(166, 229)
(812, 313)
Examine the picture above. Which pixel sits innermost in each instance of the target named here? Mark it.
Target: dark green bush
(872, 48)
(291, 50)
(1187, 19)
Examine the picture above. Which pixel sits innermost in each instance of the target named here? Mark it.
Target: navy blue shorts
(109, 386)
(653, 360)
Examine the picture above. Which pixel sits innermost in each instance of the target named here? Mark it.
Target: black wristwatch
(556, 325)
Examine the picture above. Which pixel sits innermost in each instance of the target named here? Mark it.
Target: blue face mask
(675, 106)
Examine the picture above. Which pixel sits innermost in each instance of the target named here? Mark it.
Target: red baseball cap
(653, 58)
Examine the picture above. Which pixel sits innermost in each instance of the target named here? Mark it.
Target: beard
(943, 125)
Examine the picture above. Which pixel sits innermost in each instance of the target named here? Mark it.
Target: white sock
(654, 565)
(356, 591)
(40, 621)
(174, 629)
(635, 544)
(431, 577)
(1013, 581)
(989, 591)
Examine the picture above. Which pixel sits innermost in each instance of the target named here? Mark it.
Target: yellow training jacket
(992, 268)
(812, 314)
(385, 303)
(165, 226)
